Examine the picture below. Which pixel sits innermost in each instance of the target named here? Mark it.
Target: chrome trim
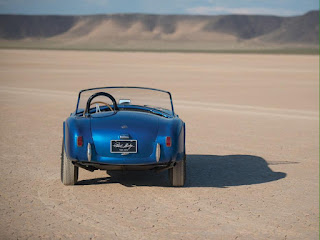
(124, 136)
(158, 152)
(89, 152)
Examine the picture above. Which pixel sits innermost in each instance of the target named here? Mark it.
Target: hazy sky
(207, 7)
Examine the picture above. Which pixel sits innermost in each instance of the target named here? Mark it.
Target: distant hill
(23, 26)
(160, 31)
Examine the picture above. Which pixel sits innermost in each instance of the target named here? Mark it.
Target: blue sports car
(124, 128)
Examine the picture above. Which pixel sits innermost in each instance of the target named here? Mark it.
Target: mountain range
(146, 31)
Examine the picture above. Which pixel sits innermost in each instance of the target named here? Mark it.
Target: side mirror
(124, 101)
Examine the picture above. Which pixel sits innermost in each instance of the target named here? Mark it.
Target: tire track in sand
(204, 106)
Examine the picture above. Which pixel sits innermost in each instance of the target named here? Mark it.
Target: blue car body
(148, 127)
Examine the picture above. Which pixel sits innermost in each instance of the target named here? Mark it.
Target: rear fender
(174, 129)
(74, 127)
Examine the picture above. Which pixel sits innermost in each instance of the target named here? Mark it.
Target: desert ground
(252, 144)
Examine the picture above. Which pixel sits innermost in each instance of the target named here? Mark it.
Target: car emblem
(124, 126)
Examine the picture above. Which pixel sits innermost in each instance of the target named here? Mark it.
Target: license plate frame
(123, 146)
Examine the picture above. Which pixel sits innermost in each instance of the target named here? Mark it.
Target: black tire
(69, 172)
(177, 174)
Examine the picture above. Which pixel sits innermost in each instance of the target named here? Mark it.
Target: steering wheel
(89, 102)
(101, 103)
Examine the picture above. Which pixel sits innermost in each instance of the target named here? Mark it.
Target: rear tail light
(168, 141)
(79, 141)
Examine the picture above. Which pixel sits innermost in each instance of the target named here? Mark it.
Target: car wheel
(177, 174)
(69, 172)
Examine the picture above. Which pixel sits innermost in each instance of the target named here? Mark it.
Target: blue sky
(206, 7)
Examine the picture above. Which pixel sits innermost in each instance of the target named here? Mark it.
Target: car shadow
(202, 171)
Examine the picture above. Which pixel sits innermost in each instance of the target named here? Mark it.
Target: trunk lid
(139, 126)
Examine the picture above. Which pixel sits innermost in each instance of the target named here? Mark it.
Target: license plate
(123, 146)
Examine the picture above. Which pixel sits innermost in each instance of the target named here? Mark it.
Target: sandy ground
(252, 144)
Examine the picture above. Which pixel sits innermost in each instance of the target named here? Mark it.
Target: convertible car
(124, 128)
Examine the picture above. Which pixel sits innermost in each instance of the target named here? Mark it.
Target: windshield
(130, 98)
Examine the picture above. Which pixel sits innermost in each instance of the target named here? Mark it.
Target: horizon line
(155, 14)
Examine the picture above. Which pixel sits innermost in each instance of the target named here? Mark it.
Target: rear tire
(69, 172)
(177, 174)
